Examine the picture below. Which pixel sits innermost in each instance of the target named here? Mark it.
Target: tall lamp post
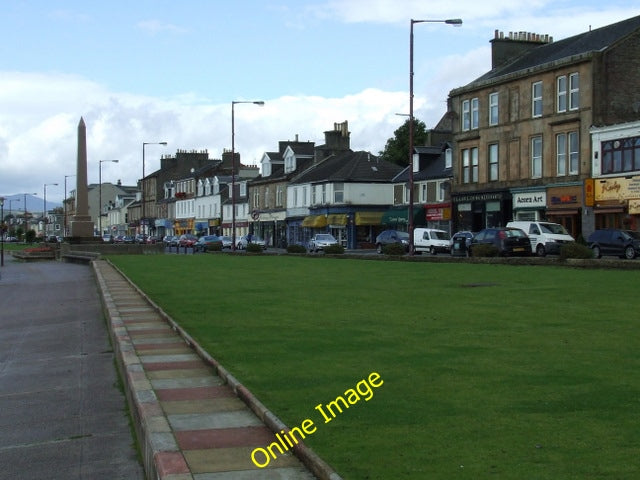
(233, 168)
(144, 144)
(65, 203)
(45, 220)
(100, 192)
(1, 231)
(452, 21)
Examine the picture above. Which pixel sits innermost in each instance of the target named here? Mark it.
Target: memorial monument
(81, 223)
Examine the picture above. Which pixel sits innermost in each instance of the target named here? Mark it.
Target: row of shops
(612, 202)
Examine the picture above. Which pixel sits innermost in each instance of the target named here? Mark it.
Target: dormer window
(266, 169)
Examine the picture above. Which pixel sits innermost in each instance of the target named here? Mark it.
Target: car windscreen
(553, 228)
(403, 235)
(632, 234)
(440, 235)
(515, 232)
(324, 237)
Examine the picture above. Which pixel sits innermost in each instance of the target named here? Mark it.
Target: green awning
(399, 217)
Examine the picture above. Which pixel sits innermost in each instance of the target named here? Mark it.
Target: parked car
(388, 237)
(187, 240)
(128, 239)
(546, 237)
(460, 243)
(321, 240)
(508, 241)
(226, 242)
(208, 242)
(152, 239)
(167, 239)
(431, 240)
(242, 242)
(140, 238)
(107, 238)
(611, 241)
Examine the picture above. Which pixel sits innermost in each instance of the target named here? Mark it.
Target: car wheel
(540, 251)
(596, 251)
(379, 248)
(630, 253)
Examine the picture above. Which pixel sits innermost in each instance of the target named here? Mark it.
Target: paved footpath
(190, 420)
(62, 414)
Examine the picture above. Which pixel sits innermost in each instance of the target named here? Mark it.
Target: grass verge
(488, 370)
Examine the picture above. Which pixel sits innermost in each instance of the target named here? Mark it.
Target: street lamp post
(65, 203)
(11, 200)
(452, 21)
(142, 184)
(45, 220)
(100, 162)
(233, 168)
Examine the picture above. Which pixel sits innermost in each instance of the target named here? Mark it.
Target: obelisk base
(82, 226)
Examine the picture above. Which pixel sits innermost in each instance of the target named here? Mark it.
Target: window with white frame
(305, 199)
(266, 197)
(466, 165)
(493, 162)
(493, 108)
(441, 191)
(574, 91)
(279, 196)
(243, 189)
(466, 115)
(474, 165)
(561, 94)
(256, 198)
(536, 99)
(567, 153)
(474, 113)
(448, 158)
(470, 165)
(338, 192)
(536, 157)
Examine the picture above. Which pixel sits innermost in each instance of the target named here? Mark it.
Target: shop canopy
(315, 221)
(397, 217)
(369, 218)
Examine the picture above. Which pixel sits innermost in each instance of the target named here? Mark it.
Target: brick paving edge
(154, 443)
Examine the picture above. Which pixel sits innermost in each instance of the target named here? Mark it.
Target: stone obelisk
(81, 224)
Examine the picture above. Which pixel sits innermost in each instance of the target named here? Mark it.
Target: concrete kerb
(307, 456)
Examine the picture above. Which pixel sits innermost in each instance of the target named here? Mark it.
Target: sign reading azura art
(530, 200)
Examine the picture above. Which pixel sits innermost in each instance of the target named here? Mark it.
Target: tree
(397, 148)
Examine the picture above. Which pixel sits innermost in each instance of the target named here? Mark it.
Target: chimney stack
(507, 48)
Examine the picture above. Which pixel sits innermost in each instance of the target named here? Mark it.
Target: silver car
(320, 241)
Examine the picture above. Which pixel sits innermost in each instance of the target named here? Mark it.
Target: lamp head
(456, 22)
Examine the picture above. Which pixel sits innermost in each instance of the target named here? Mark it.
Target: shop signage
(634, 206)
(474, 197)
(589, 192)
(529, 200)
(619, 188)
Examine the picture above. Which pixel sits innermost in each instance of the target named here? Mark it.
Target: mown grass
(489, 371)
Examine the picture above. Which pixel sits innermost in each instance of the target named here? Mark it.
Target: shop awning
(369, 218)
(336, 219)
(399, 216)
(315, 221)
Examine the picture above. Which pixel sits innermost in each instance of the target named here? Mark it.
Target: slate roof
(432, 159)
(349, 166)
(584, 43)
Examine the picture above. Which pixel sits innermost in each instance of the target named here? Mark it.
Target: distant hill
(34, 203)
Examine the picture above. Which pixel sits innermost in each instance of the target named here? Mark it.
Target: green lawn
(534, 374)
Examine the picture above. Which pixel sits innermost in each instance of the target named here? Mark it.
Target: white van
(546, 237)
(431, 241)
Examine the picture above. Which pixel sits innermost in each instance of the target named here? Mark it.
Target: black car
(388, 237)
(508, 241)
(611, 241)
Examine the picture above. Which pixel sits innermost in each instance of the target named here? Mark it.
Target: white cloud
(39, 115)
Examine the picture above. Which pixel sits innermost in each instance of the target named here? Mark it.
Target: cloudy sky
(160, 70)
